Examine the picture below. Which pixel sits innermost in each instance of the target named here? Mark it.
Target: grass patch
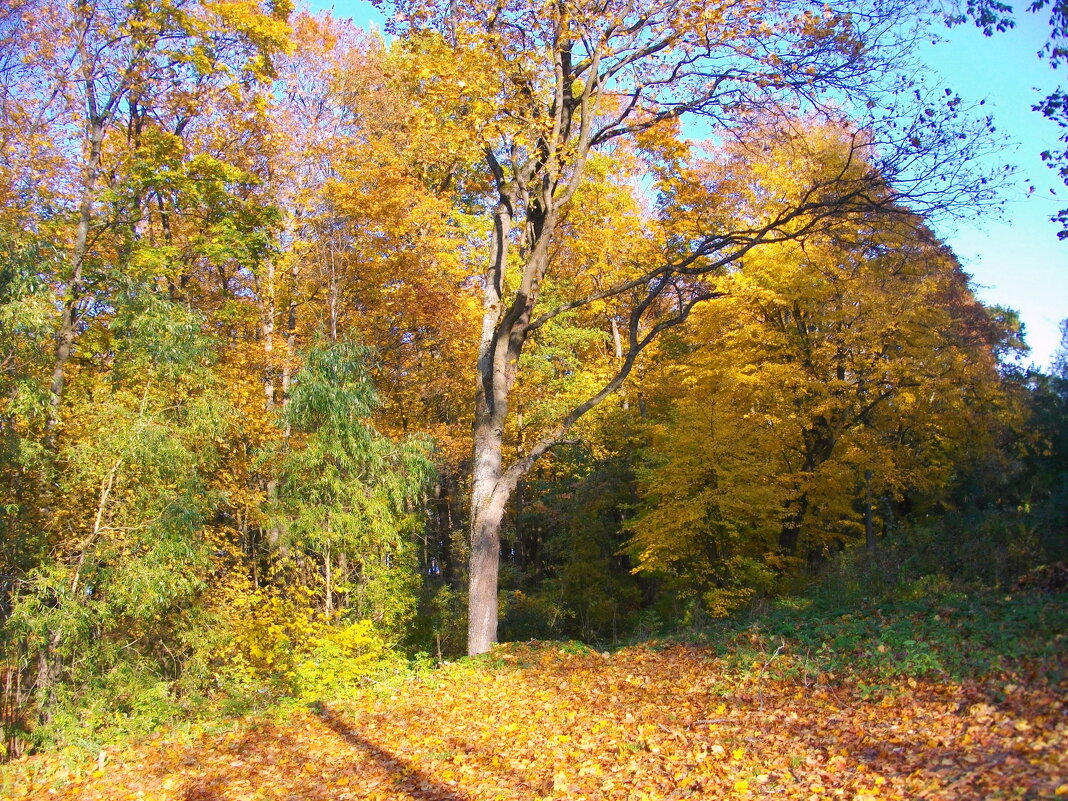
(950, 634)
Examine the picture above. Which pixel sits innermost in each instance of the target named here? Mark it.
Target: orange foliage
(637, 724)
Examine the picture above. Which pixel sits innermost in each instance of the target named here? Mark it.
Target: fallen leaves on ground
(643, 723)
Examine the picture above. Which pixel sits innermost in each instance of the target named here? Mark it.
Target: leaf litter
(542, 721)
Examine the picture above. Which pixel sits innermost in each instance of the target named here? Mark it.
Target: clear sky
(1017, 260)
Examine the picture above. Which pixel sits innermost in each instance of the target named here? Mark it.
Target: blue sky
(1016, 259)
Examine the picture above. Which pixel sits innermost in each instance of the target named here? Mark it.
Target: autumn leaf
(577, 727)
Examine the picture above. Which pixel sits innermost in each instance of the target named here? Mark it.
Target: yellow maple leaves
(790, 387)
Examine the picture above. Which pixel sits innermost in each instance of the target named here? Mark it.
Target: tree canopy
(319, 350)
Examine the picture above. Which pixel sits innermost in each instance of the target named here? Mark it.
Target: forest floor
(754, 714)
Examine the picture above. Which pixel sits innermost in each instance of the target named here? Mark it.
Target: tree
(554, 83)
(128, 555)
(110, 196)
(845, 372)
(366, 248)
(1055, 107)
(346, 491)
(92, 80)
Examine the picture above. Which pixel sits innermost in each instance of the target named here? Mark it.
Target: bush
(338, 660)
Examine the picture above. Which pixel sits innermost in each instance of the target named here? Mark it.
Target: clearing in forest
(646, 722)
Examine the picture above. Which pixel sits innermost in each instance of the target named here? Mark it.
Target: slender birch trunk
(268, 311)
(69, 314)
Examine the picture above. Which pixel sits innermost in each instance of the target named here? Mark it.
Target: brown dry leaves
(639, 724)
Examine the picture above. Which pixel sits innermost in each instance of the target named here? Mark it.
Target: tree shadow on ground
(410, 781)
(269, 763)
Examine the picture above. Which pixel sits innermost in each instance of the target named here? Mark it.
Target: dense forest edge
(345, 372)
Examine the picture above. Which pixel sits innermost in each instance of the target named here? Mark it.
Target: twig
(672, 732)
(764, 667)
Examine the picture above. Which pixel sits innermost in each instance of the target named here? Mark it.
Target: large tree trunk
(504, 333)
(491, 406)
(487, 512)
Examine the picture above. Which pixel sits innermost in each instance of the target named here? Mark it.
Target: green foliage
(135, 493)
(347, 490)
(581, 585)
(27, 304)
(158, 344)
(845, 627)
(440, 627)
(129, 701)
(949, 599)
(592, 579)
(948, 634)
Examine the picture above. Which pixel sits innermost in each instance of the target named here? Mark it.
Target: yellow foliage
(338, 658)
(723, 602)
(837, 356)
(267, 31)
(275, 637)
(265, 632)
